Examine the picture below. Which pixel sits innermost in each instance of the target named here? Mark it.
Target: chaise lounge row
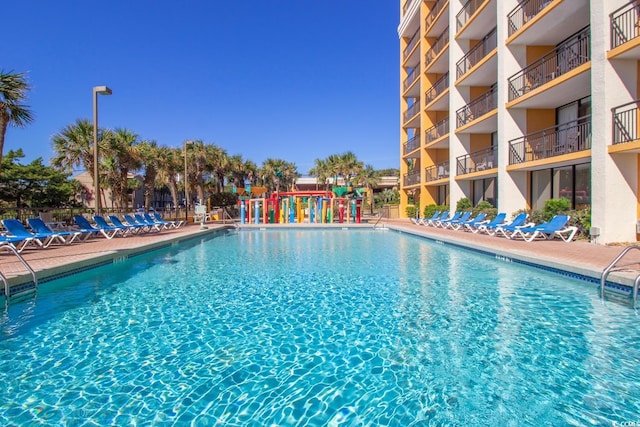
(42, 236)
(517, 228)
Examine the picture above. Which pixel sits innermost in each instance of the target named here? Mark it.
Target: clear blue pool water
(318, 327)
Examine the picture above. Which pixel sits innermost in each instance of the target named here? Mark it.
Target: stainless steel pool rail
(379, 218)
(24, 290)
(613, 266)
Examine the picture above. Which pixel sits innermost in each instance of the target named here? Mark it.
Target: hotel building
(520, 101)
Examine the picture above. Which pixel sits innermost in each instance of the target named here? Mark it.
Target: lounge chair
(17, 243)
(548, 230)
(462, 218)
(17, 229)
(443, 222)
(487, 225)
(150, 223)
(470, 223)
(86, 227)
(424, 221)
(39, 226)
(102, 223)
(129, 227)
(162, 224)
(434, 222)
(507, 229)
(175, 224)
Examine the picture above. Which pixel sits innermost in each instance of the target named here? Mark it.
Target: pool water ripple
(318, 328)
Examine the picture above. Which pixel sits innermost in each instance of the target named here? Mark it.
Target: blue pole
(243, 212)
(256, 211)
(292, 211)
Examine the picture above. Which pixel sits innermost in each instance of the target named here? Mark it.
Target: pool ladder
(24, 290)
(613, 266)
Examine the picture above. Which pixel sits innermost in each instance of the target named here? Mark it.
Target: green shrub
(464, 204)
(485, 207)
(223, 199)
(429, 210)
(554, 207)
(411, 211)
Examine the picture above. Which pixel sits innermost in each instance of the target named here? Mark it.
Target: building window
(570, 182)
(484, 189)
(443, 195)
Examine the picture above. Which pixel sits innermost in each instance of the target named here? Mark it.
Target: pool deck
(577, 257)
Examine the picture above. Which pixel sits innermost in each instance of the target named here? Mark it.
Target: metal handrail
(612, 267)
(379, 218)
(7, 288)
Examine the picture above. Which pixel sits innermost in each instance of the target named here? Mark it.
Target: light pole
(186, 191)
(97, 90)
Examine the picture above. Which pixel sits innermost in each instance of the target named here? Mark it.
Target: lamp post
(186, 191)
(97, 90)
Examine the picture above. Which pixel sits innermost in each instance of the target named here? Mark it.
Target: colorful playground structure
(314, 207)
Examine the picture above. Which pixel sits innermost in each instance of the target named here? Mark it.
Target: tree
(169, 163)
(369, 178)
(147, 153)
(74, 146)
(321, 172)
(35, 184)
(275, 173)
(119, 157)
(13, 89)
(239, 170)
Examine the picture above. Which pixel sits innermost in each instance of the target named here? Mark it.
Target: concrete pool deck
(577, 257)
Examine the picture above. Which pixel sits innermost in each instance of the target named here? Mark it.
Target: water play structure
(315, 207)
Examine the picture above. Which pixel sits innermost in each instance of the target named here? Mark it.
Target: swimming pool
(318, 327)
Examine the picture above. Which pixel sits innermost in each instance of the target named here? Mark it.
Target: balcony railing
(438, 87)
(406, 6)
(625, 122)
(411, 77)
(438, 171)
(565, 138)
(476, 53)
(467, 11)
(524, 13)
(478, 107)
(438, 130)
(412, 110)
(411, 178)
(624, 24)
(559, 61)
(477, 161)
(433, 13)
(412, 43)
(411, 145)
(438, 46)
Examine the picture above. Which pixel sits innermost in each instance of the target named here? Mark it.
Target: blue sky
(292, 79)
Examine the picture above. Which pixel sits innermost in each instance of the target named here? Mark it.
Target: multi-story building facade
(520, 101)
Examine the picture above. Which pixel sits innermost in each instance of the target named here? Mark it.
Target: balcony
(438, 46)
(412, 75)
(466, 12)
(437, 131)
(566, 57)
(436, 8)
(624, 24)
(478, 161)
(625, 122)
(411, 45)
(566, 138)
(476, 53)
(438, 88)
(436, 172)
(478, 107)
(411, 145)
(525, 12)
(411, 178)
(411, 111)
(406, 6)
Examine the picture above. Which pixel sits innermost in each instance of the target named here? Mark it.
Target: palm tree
(120, 157)
(219, 163)
(277, 172)
(240, 170)
(321, 172)
(148, 155)
(170, 161)
(13, 88)
(73, 146)
(368, 177)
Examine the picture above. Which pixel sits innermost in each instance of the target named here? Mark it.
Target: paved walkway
(577, 257)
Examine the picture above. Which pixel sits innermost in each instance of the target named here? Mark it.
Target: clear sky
(292, 79)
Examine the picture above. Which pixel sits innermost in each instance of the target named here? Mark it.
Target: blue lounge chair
(151, 224)
(548, 230)
(470, 223)
(508, 229)
(434, 222)
(17, 243)
(128, 227)
(162, 224)
(17, 229)
(488, 225)
(424, 221)
(102, 223)
(172, 224)
(39, 226)
(443, 223)
(85, 226)
(463, 218)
